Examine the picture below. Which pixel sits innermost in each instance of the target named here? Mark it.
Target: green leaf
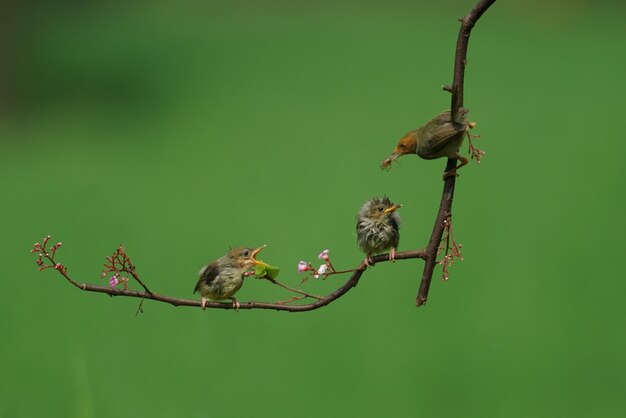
(261, 271)
(272, 271)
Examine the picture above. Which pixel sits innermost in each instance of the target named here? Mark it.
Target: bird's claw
(204, 302)
(392, 255)
(368, 261)
(450, 173)
(236, 304)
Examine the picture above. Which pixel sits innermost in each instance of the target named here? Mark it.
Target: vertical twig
(445, 207)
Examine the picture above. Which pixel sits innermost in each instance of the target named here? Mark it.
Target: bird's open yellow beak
(392, 208)
(254, 254)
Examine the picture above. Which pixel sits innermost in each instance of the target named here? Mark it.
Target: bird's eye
(246, 253)
(402, 146)
(381, 208)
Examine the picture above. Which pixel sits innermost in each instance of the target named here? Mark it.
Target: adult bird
(377, 228)
(439, 137)
(224, 277)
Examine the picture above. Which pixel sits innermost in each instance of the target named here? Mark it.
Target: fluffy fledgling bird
(438, 138)
(224, 277)
(377, 228)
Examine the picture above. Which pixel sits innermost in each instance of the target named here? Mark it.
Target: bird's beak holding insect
(406, 145)
(387, 162)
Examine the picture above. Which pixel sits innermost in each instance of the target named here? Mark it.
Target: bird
(377, 228)
(224, 277)
(439, 137)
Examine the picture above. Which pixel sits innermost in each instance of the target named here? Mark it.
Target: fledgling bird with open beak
(224, 277)
(438, 138)
(377, 228)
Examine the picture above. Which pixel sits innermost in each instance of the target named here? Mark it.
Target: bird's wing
(440, 129)
(361, 223)
(207, 275)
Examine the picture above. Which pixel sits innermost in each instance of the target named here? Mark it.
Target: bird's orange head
(406, 145)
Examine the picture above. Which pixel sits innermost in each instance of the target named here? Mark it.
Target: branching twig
(304, 294)
(326, 270)
(120, 263)
(450, 249)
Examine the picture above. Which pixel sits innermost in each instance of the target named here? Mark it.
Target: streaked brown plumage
(377, 228)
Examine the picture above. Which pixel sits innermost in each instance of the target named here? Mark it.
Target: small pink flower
(320, 271)
(324, 255)
(303, 266)
(113, 281)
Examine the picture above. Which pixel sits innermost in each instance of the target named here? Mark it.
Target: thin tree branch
(445, 207)
(460, 59)
(322, 301)
(291, 289)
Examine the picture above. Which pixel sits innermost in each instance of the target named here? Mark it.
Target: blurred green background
(182, 128)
